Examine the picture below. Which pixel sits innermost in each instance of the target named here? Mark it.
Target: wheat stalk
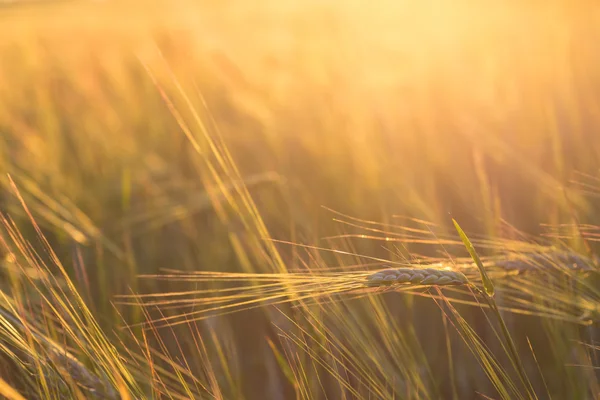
(251, 290)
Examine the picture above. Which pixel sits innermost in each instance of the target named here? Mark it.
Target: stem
(488, 293)
(516, 360)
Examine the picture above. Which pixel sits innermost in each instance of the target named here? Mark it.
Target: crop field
(317, 199)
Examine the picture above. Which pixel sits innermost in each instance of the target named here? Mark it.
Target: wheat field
(299, 200)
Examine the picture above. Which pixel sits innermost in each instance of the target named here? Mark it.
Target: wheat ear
(413, 276)
(61, 359)
(527, 263)
(546, 261)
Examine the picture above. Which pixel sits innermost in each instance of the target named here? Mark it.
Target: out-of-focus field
(486, 112)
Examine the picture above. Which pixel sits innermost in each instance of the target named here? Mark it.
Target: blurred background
(486, 112)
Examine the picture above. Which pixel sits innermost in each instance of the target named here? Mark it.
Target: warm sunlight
(319, 199)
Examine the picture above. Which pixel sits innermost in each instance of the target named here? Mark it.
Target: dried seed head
(544, 262)
(425, 276)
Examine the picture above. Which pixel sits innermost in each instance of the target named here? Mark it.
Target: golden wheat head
(425, 276)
